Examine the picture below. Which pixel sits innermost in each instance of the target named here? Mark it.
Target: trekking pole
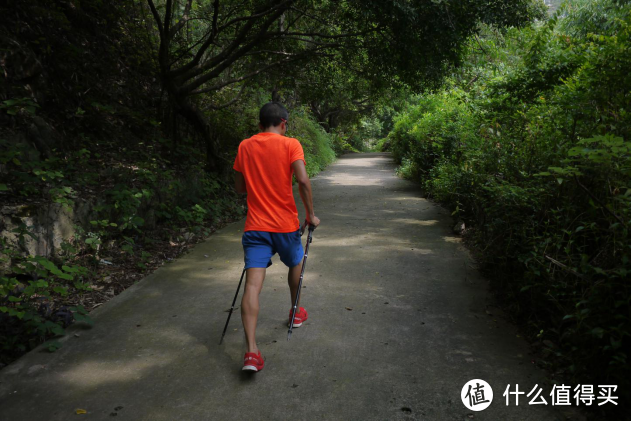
(232, 308)
(302, 272)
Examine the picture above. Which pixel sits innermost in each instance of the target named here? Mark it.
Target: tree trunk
(196, 118)
(276, 95)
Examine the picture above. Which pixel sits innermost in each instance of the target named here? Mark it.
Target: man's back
(265, 162)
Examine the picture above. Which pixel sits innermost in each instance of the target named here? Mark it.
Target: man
(264, 167)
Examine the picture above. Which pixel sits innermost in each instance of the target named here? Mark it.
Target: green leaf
(65, 276)
(15, 312)
(47, 264)
(598, 332)
(79, 309)
(58, 330)
(83, 318)
(60, 290)
(52, 345)
(3, 187)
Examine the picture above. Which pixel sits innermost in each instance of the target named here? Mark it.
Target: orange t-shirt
(265, 162)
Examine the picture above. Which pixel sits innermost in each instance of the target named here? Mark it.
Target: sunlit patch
(415, 222)
(422, 251)
(346, 179)
(94, 373)
(452, 239)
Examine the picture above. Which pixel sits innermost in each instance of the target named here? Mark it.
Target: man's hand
(313, 220)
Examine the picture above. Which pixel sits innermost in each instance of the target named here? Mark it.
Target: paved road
(397, 325)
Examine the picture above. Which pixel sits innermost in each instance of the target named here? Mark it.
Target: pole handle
(311, 227)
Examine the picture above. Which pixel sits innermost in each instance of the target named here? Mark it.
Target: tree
(208, 45)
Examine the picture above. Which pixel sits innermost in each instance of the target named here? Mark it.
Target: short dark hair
(272, 113)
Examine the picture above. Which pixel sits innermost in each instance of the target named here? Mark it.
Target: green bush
(530, 144)
(26, 316)
(316, 143)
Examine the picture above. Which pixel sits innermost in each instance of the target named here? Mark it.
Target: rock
(43, 136)
(459, 227)
(51, 224)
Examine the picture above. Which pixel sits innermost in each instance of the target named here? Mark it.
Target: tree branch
(595, 198)
(182, 22)
(252, 17)
(167, 19)
(187, 68)
(242, 78)
(229, 103)
(156, 16)
(283, 53)
(311, 41)
(315, 18)
(565, 267)
(321, 35)
(213, 34)
(228, 56)
(188, 50)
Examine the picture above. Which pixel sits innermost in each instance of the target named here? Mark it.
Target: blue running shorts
(259, 247)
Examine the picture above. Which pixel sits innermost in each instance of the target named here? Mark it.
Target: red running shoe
(253, 362)
(301, 316)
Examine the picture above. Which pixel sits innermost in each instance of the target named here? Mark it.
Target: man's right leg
(254, 278)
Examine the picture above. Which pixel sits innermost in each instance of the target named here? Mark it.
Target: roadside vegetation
(528, 143)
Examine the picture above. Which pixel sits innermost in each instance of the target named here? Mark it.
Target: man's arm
(239, 182)
(304, 186)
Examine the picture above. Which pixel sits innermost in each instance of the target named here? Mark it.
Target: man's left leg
(289, 248)
(250, 305)
(293, 278)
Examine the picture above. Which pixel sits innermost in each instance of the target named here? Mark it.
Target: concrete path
(397, 325)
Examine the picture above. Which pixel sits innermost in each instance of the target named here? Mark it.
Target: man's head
(273, 118)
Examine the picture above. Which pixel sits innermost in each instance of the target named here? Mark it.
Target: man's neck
(272, 129)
